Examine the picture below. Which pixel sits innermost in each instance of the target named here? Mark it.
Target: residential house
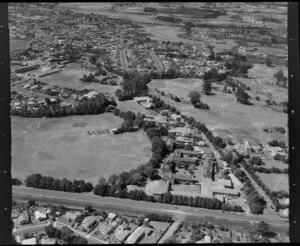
(71, 216)
(89, 222)
(48, 241)
(136, 236)
(40, 215)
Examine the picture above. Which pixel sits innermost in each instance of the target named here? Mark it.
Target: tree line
(256, 202)
(271, 170)
(269, 193)
(45, 182)
(95, 105)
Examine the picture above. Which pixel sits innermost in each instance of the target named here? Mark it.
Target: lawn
(61, 147)
(274, 181)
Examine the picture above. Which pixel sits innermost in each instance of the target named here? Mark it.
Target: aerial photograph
(149, 122)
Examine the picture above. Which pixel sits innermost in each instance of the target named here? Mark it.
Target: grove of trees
(49, 183)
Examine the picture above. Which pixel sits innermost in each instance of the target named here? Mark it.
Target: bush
(16, 181)
(31, 203)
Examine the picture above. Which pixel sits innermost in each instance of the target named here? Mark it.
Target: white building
(40, 215)
(29, 241)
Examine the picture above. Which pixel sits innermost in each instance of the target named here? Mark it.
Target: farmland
(61, 147)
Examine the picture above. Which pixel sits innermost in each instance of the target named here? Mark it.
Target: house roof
(188, 152)
(136, 234)
(29, 241)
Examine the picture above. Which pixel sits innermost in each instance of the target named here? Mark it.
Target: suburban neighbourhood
(127, 108)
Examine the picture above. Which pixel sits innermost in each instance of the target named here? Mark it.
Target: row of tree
(44, 182)
(255, 201)
(271, 170)
(268, 192)
(95, 105)
(200, 202)
(276, 143)
(282, 158)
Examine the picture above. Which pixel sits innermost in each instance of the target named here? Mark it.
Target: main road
(132, 206)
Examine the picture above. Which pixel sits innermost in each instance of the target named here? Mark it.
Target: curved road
(127, 205)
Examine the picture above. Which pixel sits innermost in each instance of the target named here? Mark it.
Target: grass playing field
(69, 77)
(61, 147)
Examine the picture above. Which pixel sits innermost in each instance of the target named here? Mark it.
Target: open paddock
(225, 117)
(61, 147)
(274, 181)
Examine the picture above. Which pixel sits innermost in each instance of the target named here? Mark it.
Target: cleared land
(274, 181)
(226, 117)
(61, 147)
(17, 44)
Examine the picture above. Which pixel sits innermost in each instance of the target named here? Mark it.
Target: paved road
(124, 62)
(138, 207)
(156, 60)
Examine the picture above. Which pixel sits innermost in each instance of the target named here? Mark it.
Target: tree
(194, 97)
(263, 229)
(280, 77)
(242, 96)
(102, 180)
(31, 203)
(188, 26)
(57, 234)
(89, 208)
(50, 230)
(207, 87)
(268, 62)
(137, 178)
(112, 179)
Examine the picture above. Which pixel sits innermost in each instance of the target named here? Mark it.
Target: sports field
(61, 147)
(69, 77)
